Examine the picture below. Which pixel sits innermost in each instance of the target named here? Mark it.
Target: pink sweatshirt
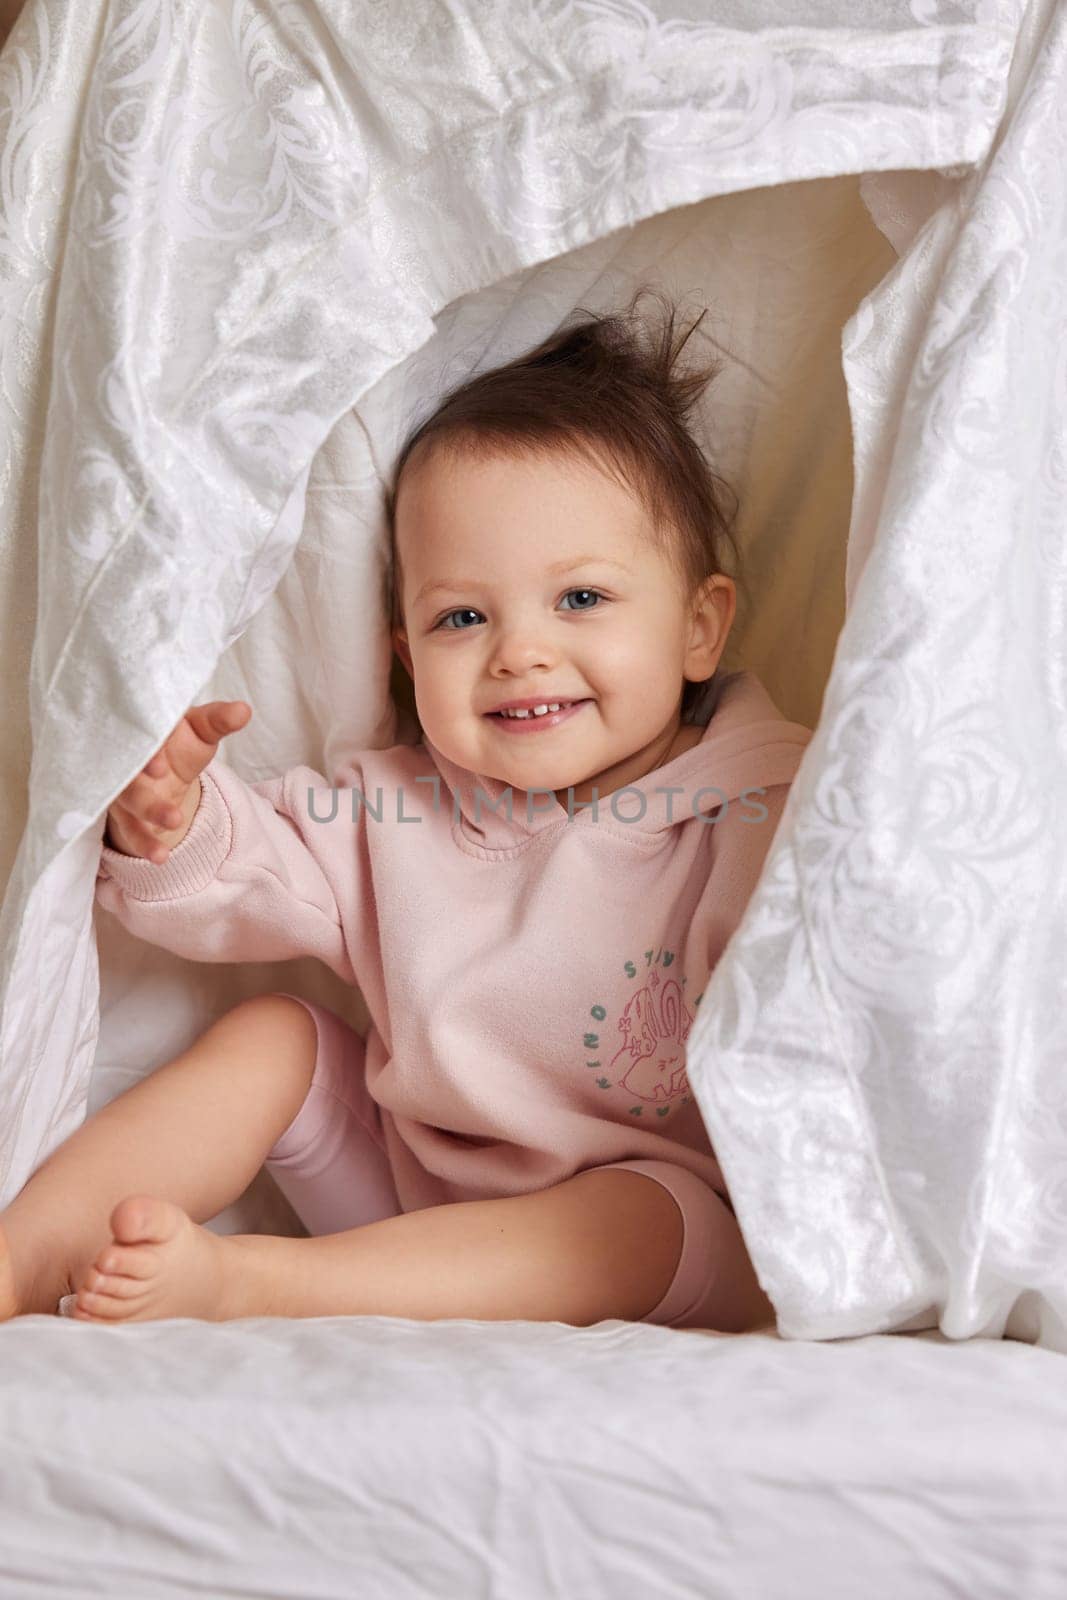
(531, 978)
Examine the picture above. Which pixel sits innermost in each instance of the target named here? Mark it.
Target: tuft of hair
(610, 388)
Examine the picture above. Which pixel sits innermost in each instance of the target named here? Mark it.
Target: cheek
(441, 671)
(633, 649)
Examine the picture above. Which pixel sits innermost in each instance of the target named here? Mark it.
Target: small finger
(142, 804)
(214, 721)
(166, 816)
(131, 816)
(137, 834)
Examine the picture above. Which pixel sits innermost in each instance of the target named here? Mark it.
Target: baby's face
(535, 580)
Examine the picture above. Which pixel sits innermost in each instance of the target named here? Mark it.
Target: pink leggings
(331, 1165)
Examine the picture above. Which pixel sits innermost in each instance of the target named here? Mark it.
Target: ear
(711, 619)
(400, 645)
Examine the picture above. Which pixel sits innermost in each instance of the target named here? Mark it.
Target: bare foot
(160, 1263)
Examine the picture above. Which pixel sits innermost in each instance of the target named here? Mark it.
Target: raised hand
(155, 811)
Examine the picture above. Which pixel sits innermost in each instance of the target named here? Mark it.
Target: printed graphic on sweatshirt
(643, 1052)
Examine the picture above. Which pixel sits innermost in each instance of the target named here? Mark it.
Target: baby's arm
(255, 878)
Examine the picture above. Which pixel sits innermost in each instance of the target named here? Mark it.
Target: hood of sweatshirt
(747, 745)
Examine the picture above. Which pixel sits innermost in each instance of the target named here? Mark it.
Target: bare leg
(114, 1212)
(196, 1131)
(603, 1244)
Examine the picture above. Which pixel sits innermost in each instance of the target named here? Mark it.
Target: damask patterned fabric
(243, 241)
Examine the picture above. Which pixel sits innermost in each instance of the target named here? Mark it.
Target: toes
(102, 1307)
(141, 1218)
(124, 1288)
(117, 1286)
(126, 1261)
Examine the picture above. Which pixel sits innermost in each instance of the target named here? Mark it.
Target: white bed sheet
(391, 1459)
(382, 1456)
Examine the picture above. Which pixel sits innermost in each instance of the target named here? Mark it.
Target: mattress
(397, 1460)
(243, 244)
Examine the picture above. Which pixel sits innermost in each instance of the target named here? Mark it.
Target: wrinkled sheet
(241, 245)
(880, 1059)
(387, 1458)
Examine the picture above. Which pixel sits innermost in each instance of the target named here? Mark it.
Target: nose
(521, 646)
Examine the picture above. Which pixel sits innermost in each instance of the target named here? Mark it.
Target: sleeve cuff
(191, 865)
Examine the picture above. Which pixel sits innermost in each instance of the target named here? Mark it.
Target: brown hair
(598, 388)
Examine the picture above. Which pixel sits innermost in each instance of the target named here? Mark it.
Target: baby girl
(530, 901)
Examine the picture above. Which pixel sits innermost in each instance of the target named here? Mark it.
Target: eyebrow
(558, 567)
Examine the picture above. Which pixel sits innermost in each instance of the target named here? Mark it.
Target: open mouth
(525, 722)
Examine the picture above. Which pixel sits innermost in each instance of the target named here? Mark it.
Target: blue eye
(585, 591)
(469, 611)
(463, 611)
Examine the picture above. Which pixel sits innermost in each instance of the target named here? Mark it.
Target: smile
(535, 718)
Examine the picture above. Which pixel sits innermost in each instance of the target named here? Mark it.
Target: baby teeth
(536, 711)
